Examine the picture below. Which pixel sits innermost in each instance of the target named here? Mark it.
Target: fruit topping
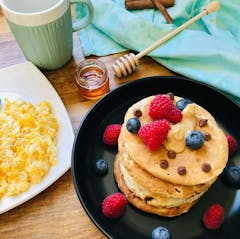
(202, 122)
(175, 115)
(162, 107)
(195, 139)
(232, 144)
(213, 217)
(164, 164)
(137, 113)
(231, 176)
(160, 233)
(153, 134)
(183, 103)
(101, 167)
(206, 167)
(111, 133)
(114, 205)
(133, 125)
(182, 170)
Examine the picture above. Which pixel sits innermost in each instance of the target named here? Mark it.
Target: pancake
(156, 186)
(164, 190)
(154, 199)
(143, 204)
(213, 152)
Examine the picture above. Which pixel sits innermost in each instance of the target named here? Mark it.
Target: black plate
(135, 224)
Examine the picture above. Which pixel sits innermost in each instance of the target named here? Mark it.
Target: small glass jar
(92, 79)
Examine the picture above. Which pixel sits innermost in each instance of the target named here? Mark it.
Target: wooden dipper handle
(212, 7)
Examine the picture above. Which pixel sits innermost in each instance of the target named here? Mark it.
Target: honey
(92, 79)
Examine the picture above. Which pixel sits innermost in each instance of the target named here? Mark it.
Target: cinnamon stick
(163, 10)
(146, 4)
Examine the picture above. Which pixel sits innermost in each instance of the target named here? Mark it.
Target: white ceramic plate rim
(27, 82)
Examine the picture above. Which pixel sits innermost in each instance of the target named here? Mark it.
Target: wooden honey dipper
(128, 63)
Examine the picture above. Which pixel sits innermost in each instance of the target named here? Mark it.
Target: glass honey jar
(92, 79)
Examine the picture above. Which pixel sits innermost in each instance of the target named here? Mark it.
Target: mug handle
(79, 24)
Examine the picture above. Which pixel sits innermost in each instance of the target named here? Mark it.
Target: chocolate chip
(171, 154)
(148, 198)
(164, 164)
(171, 95)
(177, 190)
(203, 122)
(207, 136)
(182, 170)
(206, 167)
(137, 113)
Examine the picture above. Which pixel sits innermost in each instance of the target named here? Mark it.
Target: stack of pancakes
(166, 191)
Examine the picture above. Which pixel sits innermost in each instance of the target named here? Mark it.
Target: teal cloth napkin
(207, 51)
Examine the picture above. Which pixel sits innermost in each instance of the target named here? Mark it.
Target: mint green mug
(44, 29)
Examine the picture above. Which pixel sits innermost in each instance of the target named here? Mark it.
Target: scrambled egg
(28, 145)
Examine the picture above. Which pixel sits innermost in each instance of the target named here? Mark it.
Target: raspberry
(153, 134)
(175, 115)
(111, 133)
(162, 107)
(114, 205)
(213, 217)
(232, 144)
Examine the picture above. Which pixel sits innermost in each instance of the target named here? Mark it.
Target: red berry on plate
(111, 133)
(153, 134)
(213, 217)
(232, 144)
(114, 205)
(162, 107)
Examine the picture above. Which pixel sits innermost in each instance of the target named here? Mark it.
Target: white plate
(25, 81)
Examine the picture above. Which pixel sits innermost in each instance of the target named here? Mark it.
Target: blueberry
(133, 125)
(182, 104)
(231, 176)
(195, 139)
(101, 167)
(160, 233)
